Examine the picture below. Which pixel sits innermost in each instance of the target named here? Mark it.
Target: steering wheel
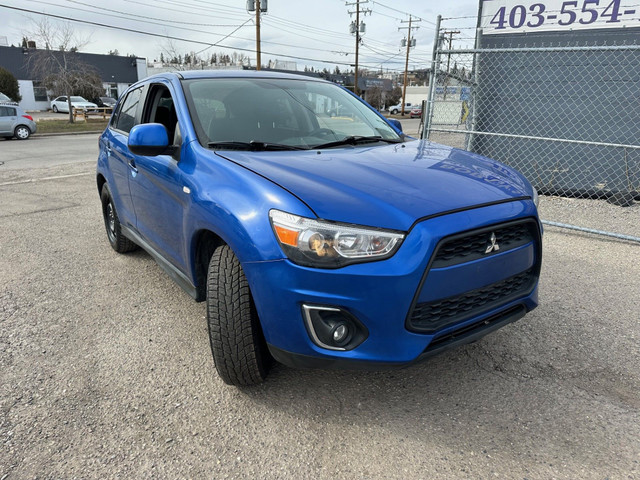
(320, 132)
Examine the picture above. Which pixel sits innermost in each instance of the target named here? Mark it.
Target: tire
(239, 350)
(393, 112)
(21, 132)
(117, 240)
(55, 109)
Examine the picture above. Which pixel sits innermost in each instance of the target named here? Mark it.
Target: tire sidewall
(106, 199)
(26, 130)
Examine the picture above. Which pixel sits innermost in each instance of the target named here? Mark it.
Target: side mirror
(395, 123)
(149, 139)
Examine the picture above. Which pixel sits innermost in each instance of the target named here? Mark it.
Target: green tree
(9, 85)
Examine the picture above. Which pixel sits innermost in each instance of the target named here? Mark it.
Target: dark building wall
(111, 68)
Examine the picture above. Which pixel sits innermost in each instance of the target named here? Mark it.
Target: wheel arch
(100, 180)
(203, 245)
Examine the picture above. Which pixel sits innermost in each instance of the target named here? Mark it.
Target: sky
(315, 33)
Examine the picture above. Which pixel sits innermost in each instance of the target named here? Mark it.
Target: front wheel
(117, 240)
(21, 132)
(239, 350)
(55, 109)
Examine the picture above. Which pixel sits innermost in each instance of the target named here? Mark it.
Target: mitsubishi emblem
(493, 246)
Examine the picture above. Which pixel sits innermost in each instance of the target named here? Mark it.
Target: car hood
(388, 186)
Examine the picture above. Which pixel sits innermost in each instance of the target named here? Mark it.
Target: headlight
(536, 198)
(314, 243)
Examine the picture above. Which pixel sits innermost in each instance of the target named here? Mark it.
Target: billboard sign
(519, 16)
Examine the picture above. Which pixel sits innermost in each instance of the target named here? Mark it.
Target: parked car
(416, 111)
(14, 122)
(60, 104)
(316, 240)
(104, 102)
(5, 100)
(398, 108)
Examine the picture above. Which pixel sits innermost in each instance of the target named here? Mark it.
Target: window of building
(39, 92)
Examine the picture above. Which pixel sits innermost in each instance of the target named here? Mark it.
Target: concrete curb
(96, 132)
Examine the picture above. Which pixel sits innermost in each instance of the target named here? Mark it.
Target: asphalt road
(105, 368)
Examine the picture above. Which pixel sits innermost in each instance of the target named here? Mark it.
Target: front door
(157, 189)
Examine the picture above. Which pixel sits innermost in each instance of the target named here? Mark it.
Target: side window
(126, 117)
(7, 112)
(161, 109)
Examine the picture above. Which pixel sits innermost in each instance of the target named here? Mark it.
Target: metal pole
(258, 61)
(475, 89)
(432, 80)
(592, 230)
(406, 67)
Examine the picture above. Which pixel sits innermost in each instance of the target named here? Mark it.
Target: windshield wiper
(356, 140)
(253, 145)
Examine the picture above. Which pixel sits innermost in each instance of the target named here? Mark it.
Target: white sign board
(518, 16)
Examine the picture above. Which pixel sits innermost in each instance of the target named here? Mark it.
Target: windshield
(296, 113)
(77, 99)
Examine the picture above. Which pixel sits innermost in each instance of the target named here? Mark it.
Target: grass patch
(60, 126)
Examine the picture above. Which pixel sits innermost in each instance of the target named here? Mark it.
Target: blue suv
(317, 232)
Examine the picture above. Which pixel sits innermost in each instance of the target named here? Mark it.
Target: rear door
(7, 120)
(120, 160)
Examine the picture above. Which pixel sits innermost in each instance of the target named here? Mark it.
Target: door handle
(132, 165)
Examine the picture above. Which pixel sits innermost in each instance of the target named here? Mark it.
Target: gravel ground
(105, 368)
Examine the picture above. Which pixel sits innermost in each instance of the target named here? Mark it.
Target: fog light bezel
(358, 332)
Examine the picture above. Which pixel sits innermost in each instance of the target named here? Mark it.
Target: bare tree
(375, 97)
(57, 63)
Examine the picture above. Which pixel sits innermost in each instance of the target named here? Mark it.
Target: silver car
(14, 122)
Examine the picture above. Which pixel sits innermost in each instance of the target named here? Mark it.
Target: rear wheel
(118, 241)
(239, 350)
(21, 132)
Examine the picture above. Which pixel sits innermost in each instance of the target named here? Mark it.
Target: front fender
(233, 202)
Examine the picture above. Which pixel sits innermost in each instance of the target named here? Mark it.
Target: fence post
(428, 114)
(474, 89)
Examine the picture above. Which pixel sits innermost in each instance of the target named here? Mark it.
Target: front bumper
(381, 294)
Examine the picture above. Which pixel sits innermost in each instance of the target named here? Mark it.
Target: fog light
(341, 334)
(333, 328)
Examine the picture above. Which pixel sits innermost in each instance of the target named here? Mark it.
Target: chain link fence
(567, 117)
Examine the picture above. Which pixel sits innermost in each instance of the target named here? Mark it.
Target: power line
(171, 37)
(142, 16)
(183, 28)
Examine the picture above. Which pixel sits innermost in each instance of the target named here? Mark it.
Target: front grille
(473, 245)
(432, 316)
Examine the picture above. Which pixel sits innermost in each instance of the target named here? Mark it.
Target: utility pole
(258, 62)
(451, 33)
(410, 43)
(251, 6)
(357, 28)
